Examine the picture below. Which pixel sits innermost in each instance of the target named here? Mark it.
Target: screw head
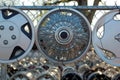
(11, 28)
(5, 42)
(1, 27)
(13, 37)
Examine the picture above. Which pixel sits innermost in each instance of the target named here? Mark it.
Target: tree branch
(57, 2)
(91, 13)
(88, 13)
(82, 2)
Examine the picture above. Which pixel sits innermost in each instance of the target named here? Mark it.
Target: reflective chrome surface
(70, 73)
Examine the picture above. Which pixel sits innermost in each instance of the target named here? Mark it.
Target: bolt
(13, 37)
(11, 28)
(1, 27)
(5, 42)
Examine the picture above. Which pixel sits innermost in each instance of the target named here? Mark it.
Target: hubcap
(9, 34)
(64, 35)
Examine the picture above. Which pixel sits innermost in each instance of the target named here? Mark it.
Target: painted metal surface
(16, 34)
(105, 38)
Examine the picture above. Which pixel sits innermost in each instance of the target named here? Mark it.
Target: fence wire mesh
(90, 59)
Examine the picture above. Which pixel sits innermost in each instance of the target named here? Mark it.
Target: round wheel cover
(63, 35)
(16, 34)
(106, 38)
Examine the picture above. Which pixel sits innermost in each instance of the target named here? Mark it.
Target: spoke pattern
(49, 31)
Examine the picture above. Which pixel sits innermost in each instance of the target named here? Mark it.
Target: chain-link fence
(36, 67)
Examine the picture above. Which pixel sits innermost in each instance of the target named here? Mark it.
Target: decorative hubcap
(64, 35)
(9, 34)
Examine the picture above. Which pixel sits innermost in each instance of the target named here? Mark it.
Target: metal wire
(75, 7)
(35, 11)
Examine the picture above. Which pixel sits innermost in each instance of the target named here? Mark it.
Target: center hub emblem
(64, 35)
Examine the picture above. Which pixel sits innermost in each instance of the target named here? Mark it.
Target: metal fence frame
(52, 7)
(75, 7)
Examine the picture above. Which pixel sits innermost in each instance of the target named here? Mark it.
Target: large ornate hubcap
(63, 35)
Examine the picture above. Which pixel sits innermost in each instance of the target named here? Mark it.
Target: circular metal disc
(16, 34)
(46, 76)
(98, 76)
(116, 77)
(63, 35)
(106, 38)
(71, 76)
(20, 76)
